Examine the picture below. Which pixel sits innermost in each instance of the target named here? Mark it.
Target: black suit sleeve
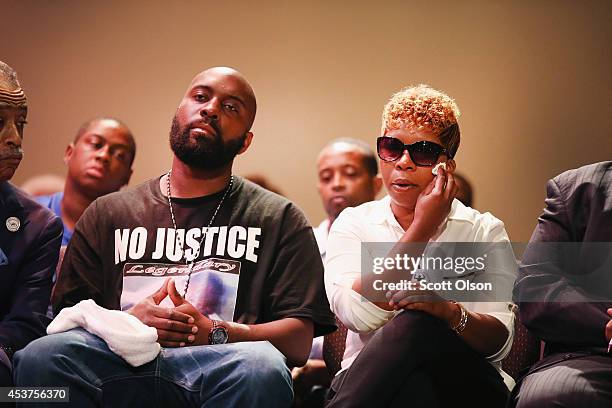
(564, 313)
(32, 289)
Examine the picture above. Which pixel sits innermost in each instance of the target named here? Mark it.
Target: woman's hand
(425, 301)
(434, 204)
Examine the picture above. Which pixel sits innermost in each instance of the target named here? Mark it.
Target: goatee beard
(205, 153)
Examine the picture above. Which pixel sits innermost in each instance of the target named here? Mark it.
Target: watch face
(218, 336)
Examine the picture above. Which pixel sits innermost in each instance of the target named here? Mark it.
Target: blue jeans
(249, 374)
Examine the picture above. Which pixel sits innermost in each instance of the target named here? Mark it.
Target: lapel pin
(13, 224)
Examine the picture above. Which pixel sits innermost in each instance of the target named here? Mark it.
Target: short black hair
(369, 157)
(85, 126)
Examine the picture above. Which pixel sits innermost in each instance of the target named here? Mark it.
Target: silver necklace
(212, 219)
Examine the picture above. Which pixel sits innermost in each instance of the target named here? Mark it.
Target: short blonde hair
(423, 107)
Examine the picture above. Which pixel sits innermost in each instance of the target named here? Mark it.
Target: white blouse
(375, 222)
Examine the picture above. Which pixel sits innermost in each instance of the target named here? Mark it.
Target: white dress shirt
(320, 233)
(375, 222)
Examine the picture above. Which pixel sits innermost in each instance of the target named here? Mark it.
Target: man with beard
(197, 218)
(30, 236)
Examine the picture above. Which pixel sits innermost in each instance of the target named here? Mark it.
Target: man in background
(99, 162)
(465, 193)
(348, 176)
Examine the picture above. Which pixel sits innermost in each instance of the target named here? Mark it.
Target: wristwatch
(218, 333)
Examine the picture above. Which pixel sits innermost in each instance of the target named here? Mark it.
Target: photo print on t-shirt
(212, 289)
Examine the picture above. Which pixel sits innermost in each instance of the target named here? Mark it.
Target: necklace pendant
(212, 219)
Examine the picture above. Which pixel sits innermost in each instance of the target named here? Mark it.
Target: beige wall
(532, 80)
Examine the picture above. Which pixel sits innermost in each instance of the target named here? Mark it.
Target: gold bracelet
(459, 327)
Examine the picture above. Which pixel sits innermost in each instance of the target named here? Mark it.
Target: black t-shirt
(259, 259)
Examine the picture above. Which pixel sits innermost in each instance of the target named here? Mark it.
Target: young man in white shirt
(348, 176)
(433, 353)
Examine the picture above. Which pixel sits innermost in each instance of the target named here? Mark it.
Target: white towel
(124, 334)
(434, 171)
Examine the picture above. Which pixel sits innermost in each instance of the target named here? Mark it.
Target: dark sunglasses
(423, 153)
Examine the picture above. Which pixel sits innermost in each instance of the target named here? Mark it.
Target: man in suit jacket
(30, 237)
(564, 292)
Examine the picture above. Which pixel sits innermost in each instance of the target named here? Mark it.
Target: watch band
(218, 333)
